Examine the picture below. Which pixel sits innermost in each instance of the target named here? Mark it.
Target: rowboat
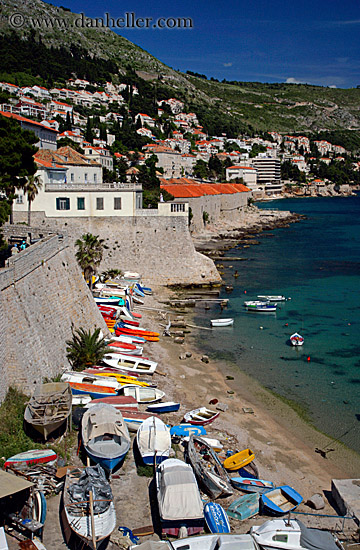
(106, 368)
(239, 460)
(244, 507)
(121, 378)
(209, 542)
(167, 407)
(85, 378)
(28, 458)
(213, 443)
(78, 502)
(105, 435)
(222, 322)
(280, 500)
(251, 485)
(134, 419)
(117, 401)
(292, 534)
(200, 416)
(296, 339)
(127, 339)
(271, 298)
(141, 366)
(107, 301)
(142, 395)
(216, 518)
(153, 440)
(208, 469)
(178, 497)
(266, 307)
(49, 408)
(129, 349)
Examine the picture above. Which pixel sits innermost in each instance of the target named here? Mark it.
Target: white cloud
(332, 86)
(292, 80)
(227, 64)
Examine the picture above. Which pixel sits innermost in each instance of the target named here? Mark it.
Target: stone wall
(158, 247)
(43, 296)
(227, 210)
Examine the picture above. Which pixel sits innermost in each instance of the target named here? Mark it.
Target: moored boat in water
(296, 339)
(222, 322)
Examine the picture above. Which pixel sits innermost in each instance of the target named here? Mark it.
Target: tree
(31, 189)
(16, 162)
(89, 254)
(85, 349)
(200, 170)
(88, 132)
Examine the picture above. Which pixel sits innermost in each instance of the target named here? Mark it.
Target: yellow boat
(121, 378)
(239, 460)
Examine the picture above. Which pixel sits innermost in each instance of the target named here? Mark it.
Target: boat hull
(239, 460)
(35, 456)
(216, 518)
(164, 407)
(251, 485)
(280, 500)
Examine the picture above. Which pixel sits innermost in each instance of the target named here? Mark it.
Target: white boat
(202, 542)
(84, 378)
(142, 395)
(263, 307)
(142, 366)
(296, 339)
(153, 440)
(270, 298)
(178, 498)
(255, 302)
(284, 534)
(221, 322)
(105, 435)
(76, 513)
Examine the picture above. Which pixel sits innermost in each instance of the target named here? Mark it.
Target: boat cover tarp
(10, 484)
(153, 545)
(103, 419)
(314, 539)
(154, 436)
(92, 479)
(178, 493)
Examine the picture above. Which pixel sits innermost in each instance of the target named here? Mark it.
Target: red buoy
(309, 358)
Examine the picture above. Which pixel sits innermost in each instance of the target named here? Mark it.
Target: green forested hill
(221, 106)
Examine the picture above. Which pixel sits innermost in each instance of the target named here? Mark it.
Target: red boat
(136, 332)
(122, 345)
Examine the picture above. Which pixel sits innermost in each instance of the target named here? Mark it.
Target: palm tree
(89, 254)
(31, 189)
(86, 348)
(110, 274)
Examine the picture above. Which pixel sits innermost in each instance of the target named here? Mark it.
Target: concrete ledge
(346, 493)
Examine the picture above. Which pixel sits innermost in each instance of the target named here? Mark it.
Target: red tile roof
(187, 188)
(23, 119)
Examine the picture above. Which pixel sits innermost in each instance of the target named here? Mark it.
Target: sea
(315, 264)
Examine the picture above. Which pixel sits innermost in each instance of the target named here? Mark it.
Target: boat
(108, 301)
(169, 406)
(125, 348)
(296, 339)
(271, 298)
(251, 485)
(185, 430)
(81, 399)
(280, 500)
(211, 475)
(292, 534)
(143, 366)
(88, 501)
(95, 391)
(239, 460)
(216, 518)
(200, 416)
(117, 401)
(211, 542)
(126, 339)
(178, 497)
(121, 378)
(266, 307)
(255, 302)
(105, 435)
(221, 322)
(213, 443)
(49, 408)
(28, 458)
(142, 395)
(245, 507)
(153, 440)
(134, 418)
(115, 370)
(85, 378)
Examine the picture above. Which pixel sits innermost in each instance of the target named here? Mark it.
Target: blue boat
(184, 430)
(105, 435)
(216, 518)
(245, 507)
(280, 500)
(170, 406)
(251, 485)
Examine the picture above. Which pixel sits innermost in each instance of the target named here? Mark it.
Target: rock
(179, 340)
(122, 542)
(222, 407)
(205, 358)
(182, 376)
(182, 356)
(172, 453)
(230, 392)
(316, 502)
(177, 333)
(229, 378)
(188, 354)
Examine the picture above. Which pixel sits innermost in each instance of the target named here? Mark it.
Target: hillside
(241, 105)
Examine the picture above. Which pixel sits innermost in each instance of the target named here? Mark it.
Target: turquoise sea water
(316, 263)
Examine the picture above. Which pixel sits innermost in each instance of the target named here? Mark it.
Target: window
(62, 204)
(280, 538)
(81, 203)
(95, 178)
(117, 203)
(99, 203)
(20, 199)
(72, 178)
(86, 177)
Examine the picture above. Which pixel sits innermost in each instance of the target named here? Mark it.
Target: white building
(268, 169)
(247, 173)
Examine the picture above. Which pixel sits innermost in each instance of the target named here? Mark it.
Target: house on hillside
(168, 159)
(100, 155)
(247, 173)
(46, 136)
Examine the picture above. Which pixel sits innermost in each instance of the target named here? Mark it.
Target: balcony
(86, 187)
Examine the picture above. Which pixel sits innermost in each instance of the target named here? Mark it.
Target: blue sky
(315, 41)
